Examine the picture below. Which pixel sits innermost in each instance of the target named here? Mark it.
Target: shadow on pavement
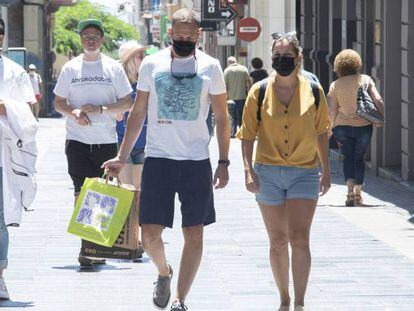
(361, 205)
(95, 268)
(388, 191)
(16, 304)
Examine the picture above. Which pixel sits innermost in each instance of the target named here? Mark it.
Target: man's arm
(122, 105)
(3, 111)
(63, 107)
(40, 84)
(219, 105)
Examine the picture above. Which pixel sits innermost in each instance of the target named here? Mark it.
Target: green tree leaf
(66, 36)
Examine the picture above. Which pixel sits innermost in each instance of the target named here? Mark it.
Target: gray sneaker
(178, 306)
(162, 290)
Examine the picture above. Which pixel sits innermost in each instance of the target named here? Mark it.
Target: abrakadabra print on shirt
(178, 99)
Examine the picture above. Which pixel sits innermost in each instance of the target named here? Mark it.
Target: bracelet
(101, 108)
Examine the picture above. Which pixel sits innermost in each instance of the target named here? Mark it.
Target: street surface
(363, 258)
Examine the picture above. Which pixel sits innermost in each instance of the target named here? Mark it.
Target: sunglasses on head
(289, 35)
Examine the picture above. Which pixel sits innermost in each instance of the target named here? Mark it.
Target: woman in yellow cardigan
(292, 141)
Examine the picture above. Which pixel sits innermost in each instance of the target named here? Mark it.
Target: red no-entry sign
(248, 29)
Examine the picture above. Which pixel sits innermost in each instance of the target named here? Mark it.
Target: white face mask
(92, 54)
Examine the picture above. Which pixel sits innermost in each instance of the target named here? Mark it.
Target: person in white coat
(14, 85)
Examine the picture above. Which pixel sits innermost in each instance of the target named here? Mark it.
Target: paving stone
(352, 269)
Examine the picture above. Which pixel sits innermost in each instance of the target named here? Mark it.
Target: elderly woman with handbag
(354, 107)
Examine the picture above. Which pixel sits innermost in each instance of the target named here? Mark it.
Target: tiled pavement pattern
(352, 270)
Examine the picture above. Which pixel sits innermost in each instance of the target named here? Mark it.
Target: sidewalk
(359, 261)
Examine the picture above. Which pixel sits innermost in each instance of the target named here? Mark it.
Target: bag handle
(106, 176)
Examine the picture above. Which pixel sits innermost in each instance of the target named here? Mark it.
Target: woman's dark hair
(2, 27)
(289, 37)
(257, 63)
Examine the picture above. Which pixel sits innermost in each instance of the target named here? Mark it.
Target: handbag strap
(365, 84)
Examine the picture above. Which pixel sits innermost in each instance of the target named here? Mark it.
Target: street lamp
(147, 16)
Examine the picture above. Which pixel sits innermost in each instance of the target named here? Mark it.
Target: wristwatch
(226, 163)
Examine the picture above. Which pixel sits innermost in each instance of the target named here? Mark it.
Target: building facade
(382, 31)
(29, 25)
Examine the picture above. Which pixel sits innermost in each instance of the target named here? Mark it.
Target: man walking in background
(37, 85)
(238, 83)
(91, 91)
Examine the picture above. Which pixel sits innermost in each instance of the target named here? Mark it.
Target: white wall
(274, 16)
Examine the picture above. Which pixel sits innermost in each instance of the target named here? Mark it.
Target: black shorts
(86, 160)
(163, 178)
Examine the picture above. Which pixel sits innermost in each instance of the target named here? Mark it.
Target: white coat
(19, 153)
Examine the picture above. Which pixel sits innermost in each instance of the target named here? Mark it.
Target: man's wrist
(224, 162)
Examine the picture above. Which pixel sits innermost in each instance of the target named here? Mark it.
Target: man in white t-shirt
(174, 88)
(36, 81)
(15, 85)
(91, 91)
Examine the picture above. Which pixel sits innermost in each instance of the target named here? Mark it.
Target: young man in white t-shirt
(15, 85)
(91, 91)
(174, 88)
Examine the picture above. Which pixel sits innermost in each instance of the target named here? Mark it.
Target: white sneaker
(4, 294)
(300, 308)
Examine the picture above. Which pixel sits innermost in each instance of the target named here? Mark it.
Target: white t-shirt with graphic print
(101, 82)
(178, 103)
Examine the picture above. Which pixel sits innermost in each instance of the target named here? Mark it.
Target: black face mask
(184, 48)
(284, 65)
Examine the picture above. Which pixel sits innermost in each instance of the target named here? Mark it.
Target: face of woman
(284, 58)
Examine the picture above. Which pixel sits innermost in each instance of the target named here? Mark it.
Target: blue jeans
(4, 234)
(353, 142)
(236, 115)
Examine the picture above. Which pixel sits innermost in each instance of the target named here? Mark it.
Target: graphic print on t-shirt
(178, 99)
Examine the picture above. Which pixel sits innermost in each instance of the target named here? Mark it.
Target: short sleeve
(63, 83)
(331, 91)
(371, 82)
(144, 76)
(122, 85)
(322, 123)
(40, 78)
(217, 85)
(26, 88)
(250, 124)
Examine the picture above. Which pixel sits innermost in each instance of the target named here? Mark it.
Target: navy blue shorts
(191, 180)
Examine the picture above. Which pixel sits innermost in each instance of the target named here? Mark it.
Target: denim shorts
(280, 183)
(163, 178)
(137, 156)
